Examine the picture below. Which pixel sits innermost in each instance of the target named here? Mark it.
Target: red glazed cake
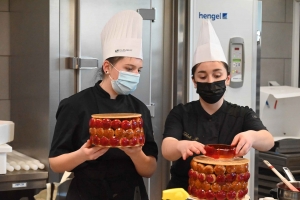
(215, 179)
(117, 129)
(220, 151)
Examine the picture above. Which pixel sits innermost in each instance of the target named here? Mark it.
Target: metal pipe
(78, 43)
(180, 60)
(295, 81)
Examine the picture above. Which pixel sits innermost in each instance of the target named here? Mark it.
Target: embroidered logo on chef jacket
(188, 136)
(185, 134)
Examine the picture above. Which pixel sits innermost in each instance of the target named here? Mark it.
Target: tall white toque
(209, 47)
(122, 35)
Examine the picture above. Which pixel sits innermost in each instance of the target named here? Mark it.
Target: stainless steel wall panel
(180, 51)
(54, 74)
(67, 81)
(161, 86)
(167, 82)
(175, 89)
(143, 91)
(67, 77)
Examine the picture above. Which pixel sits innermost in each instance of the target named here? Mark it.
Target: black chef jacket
(192, 122)
(112, 174)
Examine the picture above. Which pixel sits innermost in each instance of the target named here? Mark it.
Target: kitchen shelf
(22, 180)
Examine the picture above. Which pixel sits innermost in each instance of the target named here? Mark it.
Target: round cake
(218, 179)
(116, 130)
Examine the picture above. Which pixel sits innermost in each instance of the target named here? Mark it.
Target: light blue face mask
(126, 82)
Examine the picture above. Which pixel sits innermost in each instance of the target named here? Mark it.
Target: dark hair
(112, 60)
(195, 66)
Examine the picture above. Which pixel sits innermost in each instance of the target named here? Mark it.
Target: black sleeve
(150, 147)
(66, 121)
(174, 123)
(252, 121)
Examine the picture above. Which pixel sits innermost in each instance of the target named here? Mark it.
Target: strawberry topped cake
(117, 129)
(218, 179)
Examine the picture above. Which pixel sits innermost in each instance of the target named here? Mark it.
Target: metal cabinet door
(81, 23)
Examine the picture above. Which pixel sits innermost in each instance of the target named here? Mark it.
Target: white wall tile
(276, 40)
(4, 77)
(4, 110)
(4, 6)
(289, 11)
(287, 72)
(273, 10)
(4, 33)
(271, 70)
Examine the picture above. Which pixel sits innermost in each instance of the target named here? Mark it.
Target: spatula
(290, 186)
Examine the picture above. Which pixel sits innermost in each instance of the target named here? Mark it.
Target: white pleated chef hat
(209, 47)
(122, 35)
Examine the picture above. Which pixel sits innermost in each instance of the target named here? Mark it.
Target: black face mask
(211, 92)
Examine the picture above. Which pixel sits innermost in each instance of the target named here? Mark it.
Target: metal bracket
(151, 108)
(147, 14)
(82, 63)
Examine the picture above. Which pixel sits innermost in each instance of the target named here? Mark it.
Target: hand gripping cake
(218, 179)
(116, 130)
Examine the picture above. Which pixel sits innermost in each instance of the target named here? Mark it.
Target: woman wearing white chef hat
(107, 173)
(211, 119)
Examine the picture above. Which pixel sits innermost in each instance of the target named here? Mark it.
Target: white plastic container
(4, 148)
(280, 111)
(6, 131)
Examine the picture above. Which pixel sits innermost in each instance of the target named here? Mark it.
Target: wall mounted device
(147, 14)
(236, 62)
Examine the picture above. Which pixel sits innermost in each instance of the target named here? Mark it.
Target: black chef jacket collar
(103, 93)
(211, 117)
